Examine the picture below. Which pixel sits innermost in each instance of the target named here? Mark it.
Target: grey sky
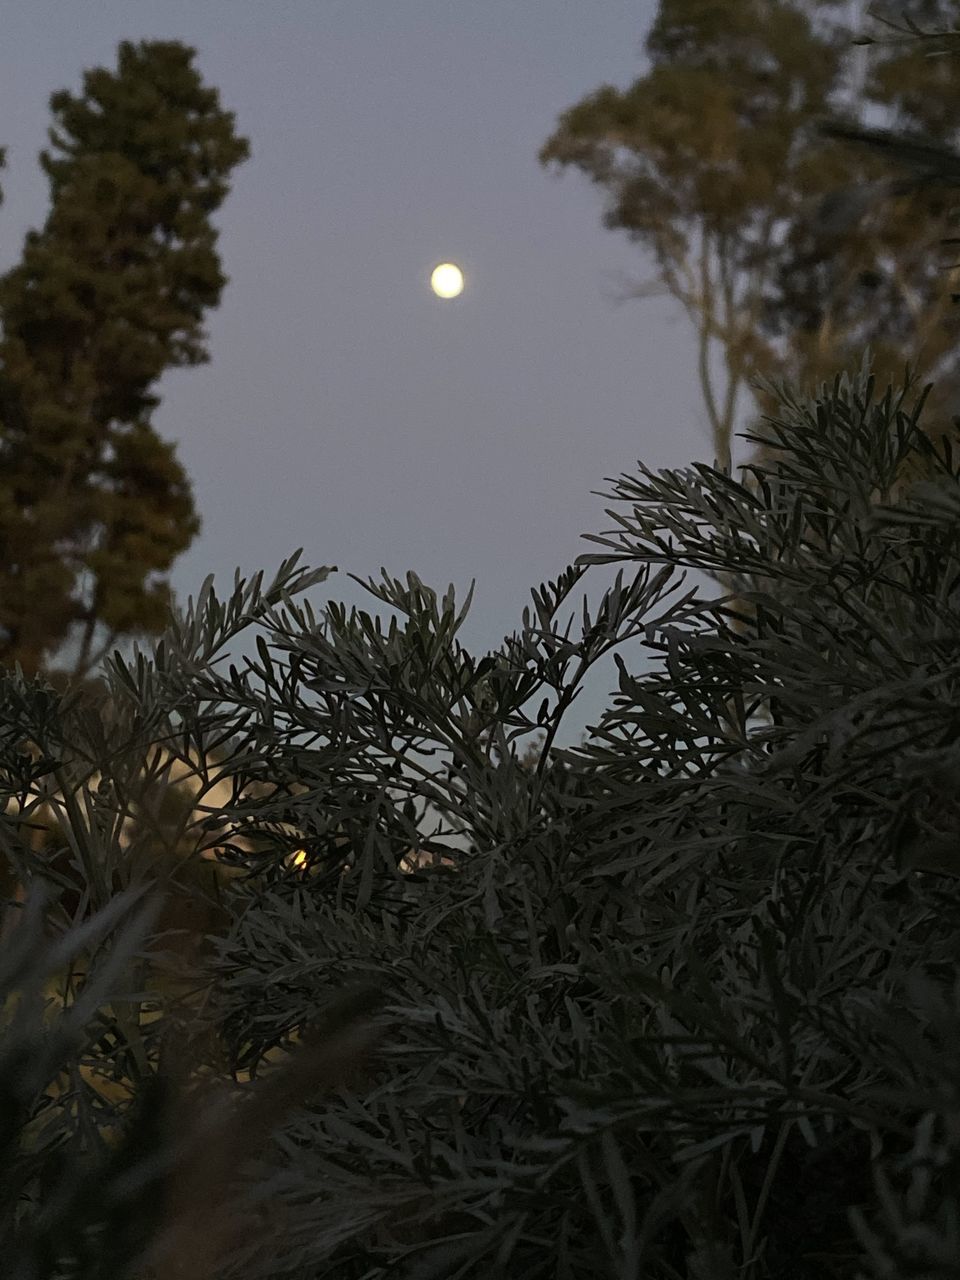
(345, 409)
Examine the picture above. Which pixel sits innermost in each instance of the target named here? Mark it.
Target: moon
(446, 280)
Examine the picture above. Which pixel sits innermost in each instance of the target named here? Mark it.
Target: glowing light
(447, 280)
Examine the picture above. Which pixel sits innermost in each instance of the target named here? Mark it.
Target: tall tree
(714, 161)
(109, 294)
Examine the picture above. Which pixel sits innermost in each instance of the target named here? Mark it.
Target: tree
(109, 294)
(713, 161)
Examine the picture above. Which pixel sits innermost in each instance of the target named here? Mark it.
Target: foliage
(119, 1148)
(679, 1002)
(96, 1188)
(111, 292)
(770, 232)
(921, 155)
(67, 1193)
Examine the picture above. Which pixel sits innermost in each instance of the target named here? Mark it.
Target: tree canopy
(713, 161)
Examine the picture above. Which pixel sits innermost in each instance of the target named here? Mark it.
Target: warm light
(447, 280)
(298, 860)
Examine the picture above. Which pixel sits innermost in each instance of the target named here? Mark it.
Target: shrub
(679, 1002)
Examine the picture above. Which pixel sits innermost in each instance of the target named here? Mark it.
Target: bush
(679, 1002)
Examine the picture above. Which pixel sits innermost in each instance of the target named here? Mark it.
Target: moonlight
(447, 280)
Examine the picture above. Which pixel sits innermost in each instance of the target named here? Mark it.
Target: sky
(345, 409)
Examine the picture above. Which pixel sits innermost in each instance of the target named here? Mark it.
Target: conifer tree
(110, 293)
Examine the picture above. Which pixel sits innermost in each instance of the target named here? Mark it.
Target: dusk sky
(346, 410)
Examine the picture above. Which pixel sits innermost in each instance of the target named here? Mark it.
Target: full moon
(447, 280)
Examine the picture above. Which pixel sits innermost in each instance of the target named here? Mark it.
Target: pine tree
(109, 294)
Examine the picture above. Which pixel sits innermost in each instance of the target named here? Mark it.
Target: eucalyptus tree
(713, 162)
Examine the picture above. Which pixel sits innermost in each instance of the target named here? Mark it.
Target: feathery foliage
(680, 1002)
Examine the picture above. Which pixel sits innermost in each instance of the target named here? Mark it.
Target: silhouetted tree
(110, 293)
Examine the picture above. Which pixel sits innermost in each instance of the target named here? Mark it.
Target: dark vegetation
(109, 294)
(680, 1002)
